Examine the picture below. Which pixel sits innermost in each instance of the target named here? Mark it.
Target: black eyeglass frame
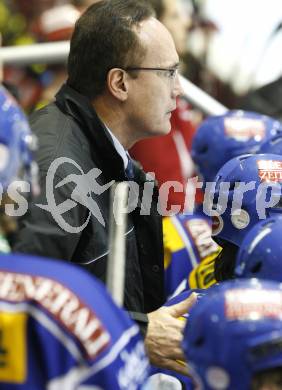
(173, 71)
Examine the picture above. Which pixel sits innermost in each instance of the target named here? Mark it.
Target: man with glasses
(122, 86)
(169, 156)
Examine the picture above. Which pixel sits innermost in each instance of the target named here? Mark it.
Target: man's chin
(164, 131)
(158, 132)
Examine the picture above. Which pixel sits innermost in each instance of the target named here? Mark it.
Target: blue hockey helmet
(260, 254)
(246, 189)
(272, 145)
(220, 138)
(233, 333)
(17, 144)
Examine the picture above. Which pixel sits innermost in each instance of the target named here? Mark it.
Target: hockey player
(59, 327)
(223, 137)
(187, 245)
(260, 253)
(247, 190)
(189, 249)
(233, 337)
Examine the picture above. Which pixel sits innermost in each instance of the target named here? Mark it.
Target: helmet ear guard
(235, 332)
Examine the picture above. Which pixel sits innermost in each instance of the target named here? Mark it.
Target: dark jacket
(70, 128)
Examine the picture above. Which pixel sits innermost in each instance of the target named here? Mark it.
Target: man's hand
(165, 333)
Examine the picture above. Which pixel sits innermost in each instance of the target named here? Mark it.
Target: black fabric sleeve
(40, 234)
(141, 319)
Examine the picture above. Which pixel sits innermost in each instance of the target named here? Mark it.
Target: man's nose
(177, 88)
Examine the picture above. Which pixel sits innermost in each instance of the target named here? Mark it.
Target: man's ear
(117, 82)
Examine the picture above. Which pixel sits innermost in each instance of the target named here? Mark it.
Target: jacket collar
(103, 151)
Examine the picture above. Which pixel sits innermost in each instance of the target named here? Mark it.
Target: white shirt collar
(119, 148)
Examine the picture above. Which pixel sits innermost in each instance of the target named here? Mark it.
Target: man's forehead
(159, 43)
(151, 29)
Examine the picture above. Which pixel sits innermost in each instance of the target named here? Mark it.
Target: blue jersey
(187, 244)
(59, 329)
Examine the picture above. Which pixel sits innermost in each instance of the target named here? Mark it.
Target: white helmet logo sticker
(241, 219)
(217, 378)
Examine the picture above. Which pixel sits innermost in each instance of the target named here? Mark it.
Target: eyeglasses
(170, 73)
